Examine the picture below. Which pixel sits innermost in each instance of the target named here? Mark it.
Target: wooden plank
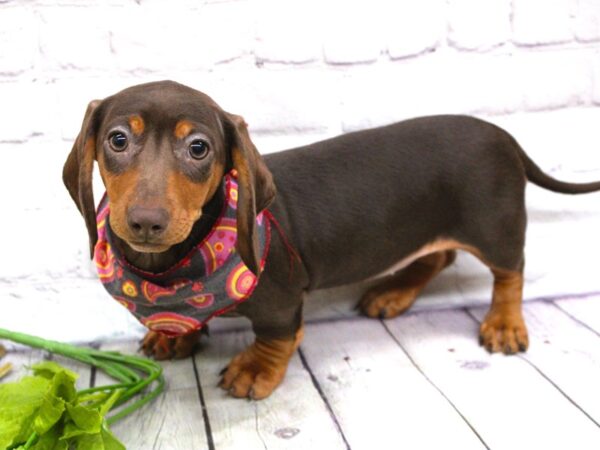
(172, 421)
(380, 398)
(503, 397)
(20, 358)
(293, 417)
(565, 352)
(586, 310)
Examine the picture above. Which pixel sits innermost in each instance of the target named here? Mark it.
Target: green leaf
(104, 440)
(19, 402)
(84, 420)
(47, 399)
(87, 419)
(50, 440)
(63, 386)
(62, 390)
(50, 412)
(110, 441)
(89, 442)
(48, 369)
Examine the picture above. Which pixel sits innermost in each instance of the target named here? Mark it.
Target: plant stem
(120, 367)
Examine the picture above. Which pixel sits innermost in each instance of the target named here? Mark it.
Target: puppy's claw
(501, 332)
(522, 347)
(252, 394)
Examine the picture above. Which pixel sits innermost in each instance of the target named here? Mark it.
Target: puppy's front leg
(259, 369)
(161, 347)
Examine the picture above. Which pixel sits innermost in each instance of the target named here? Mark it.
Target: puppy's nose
(147, 222)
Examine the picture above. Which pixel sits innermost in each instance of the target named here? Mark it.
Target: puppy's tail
(537, 176)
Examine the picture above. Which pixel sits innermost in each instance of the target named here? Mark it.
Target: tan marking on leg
(503, 328)
(258, 370)
(136, 124)
(396, 294)
(183, 128)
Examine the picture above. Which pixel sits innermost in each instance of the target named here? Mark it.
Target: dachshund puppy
(195, 223)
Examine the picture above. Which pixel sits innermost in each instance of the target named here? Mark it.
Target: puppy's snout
(147, 223)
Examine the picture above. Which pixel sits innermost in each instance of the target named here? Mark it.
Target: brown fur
(78, 169)
(256, 190)
(428, 187)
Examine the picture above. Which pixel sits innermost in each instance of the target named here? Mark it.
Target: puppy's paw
(252, 377)
(501, 332)
(161, 347)
(385, 304)
(258, 370)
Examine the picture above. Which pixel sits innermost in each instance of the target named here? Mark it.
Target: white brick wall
(538, 22)
(477, 25)
(298, 70)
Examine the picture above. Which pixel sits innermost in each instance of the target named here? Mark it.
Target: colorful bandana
(209, 281)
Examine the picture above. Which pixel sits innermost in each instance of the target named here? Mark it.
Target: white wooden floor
(418, 381)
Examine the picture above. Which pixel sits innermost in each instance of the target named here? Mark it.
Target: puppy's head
(162, 149)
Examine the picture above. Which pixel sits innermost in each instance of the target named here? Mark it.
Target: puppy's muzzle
(147, 224)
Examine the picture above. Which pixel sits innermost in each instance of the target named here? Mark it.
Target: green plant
(45, 412)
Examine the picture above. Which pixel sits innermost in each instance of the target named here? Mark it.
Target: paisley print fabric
(210, 280)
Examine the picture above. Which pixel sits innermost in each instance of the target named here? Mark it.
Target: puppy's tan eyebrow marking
(183, 128)
(137, 124)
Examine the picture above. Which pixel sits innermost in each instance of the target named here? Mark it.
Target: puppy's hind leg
(503, 328)
(397, 293)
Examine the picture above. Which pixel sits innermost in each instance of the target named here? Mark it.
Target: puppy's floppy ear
(256, 188)
(77, 172)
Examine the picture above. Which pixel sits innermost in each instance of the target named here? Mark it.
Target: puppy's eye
(198, 149)
(118, 141)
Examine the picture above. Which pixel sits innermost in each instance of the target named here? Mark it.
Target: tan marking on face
(183, 129)
(186, 199)
(120, 189)
(137, 124)
(183, 200)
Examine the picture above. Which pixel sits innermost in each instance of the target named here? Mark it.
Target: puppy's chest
(211, 280)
